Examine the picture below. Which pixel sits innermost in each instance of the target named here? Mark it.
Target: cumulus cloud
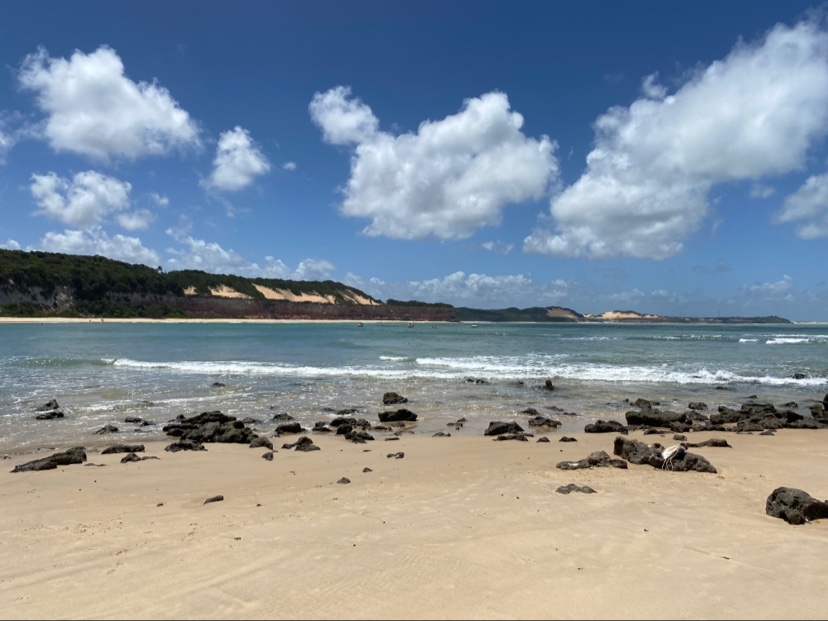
(135, 220)
(238, 161)
(808, 208)
(498, 247)
(448, 179)
(212, 257)
(773, 289)
(96, 241)
(6, 143)
(159, 199)
(83, 201)
(461, 289)
(10, 244)
(753, 114)
(94, 109)
(289, 166)
(343, 120)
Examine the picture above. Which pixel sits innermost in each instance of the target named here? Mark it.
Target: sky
(661, 157)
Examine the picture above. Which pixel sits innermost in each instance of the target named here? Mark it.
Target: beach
(459, 528)
(429, 526)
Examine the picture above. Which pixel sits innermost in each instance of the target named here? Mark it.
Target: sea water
(103, 372)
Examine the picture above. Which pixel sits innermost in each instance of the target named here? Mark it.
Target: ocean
(103, 372)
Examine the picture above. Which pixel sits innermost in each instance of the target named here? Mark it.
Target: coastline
(460, 528)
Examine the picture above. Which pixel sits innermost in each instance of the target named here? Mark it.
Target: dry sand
(462, 527)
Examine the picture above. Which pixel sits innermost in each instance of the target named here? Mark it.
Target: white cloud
(96, 241)
(498, 247)
(760, 190)
(450, 178)
(6, 143)
(773, 289)
(159, 199)
(808, 207)
(474, 290)
(10, 244)
(238, 161)
(210, 257)
(93, 109)
(343, 120)
(752, 114)
(135, 220)
(289, 166)
(84, 201)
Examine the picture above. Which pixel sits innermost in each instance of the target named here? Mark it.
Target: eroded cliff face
(219, 307)
(213, 307)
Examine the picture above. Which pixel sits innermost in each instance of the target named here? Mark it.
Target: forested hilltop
(48, 284)
(53, 284)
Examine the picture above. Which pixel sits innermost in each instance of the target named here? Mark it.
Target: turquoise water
(102, 372)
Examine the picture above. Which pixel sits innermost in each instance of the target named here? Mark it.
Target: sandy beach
(459, 528)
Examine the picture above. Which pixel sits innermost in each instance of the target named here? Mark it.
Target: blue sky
(663, 157)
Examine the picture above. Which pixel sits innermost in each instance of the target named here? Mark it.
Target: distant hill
(63, 285)
(55, 284)
(561, 314)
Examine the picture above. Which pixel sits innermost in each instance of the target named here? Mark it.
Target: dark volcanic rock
(130, 457)
(260, 441)
(123, 448)
(400, 415)
(304, 444)
(795, 506)
(634, 451)
(608, 426)
(600, 459)
(75, 455)
(566, 489)
(218, 498)
(392, 398)
(497, 428)
(184, 445)
(653, 417)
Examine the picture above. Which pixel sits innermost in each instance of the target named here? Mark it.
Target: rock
(398, 455)
(184, 445)
(543, 421)
(292, 427)
(547, 385)
(795, 506)
(123, 448)
(400, 415)
(130, 457)
(497, 428)
(392, 398)
(609, 426)
(344, 480)
(260, 441)
(720, 442)
(567, 439)
(268, 455)
(600, 459)
(75, 455)
(653, 417)
(566, 489)
(218, 498)
(543, 439)
(52, 404)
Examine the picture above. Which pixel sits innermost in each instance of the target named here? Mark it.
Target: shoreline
(625, 322)
(460, 528)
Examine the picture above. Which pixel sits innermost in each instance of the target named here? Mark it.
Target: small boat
(474, 325)
(410, 324)
(360, 324)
